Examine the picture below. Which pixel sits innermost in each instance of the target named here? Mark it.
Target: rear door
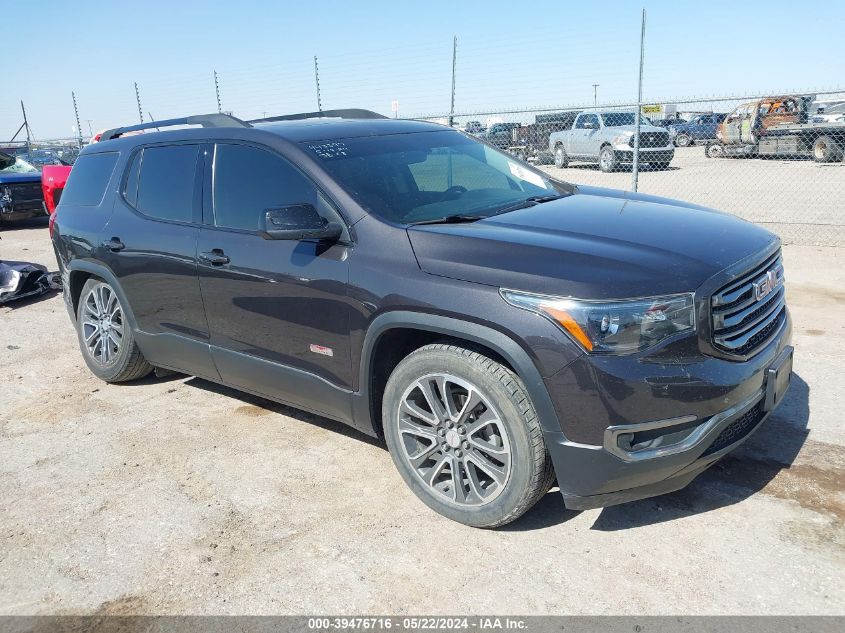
(278, 310)
(150, 244)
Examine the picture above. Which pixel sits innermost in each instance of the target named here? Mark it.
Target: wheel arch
(79, 271)
(401, 332)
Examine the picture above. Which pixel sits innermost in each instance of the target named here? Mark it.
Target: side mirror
(298, 222)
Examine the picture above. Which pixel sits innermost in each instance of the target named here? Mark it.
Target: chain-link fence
(776, 160)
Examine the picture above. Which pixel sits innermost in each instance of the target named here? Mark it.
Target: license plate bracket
(778, 377)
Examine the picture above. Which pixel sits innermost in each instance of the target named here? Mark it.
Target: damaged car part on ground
(499, 329)
(19, 280)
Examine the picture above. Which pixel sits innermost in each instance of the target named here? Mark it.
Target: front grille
(737, 429)
(744, 318)
(25, 191)
(652, 139)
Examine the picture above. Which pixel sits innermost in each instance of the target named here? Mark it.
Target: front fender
(499, 342)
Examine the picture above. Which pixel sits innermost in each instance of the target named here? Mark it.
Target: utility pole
(138, 99)
(454, 63)
(217, 92)
(90, 131)
(636, 169)
(595, 94)
(317, 81)
(76, 112)
(28, 131)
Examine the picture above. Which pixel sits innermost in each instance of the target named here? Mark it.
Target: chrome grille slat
(745, 310)
(732, 291)
(742, 323)
(731, 341)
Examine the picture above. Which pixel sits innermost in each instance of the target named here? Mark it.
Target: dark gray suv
(499, 329)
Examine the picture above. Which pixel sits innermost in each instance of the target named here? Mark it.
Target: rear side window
(88, 179)
(130, 189)
(167, 182)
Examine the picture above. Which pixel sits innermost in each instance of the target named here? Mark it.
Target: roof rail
(347, 113)
(205, 120)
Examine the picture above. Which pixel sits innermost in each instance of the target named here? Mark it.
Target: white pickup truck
(607, 138)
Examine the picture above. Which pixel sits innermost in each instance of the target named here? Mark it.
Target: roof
(319, 129)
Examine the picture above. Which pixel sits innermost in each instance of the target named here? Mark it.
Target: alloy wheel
(454, 439)
(102, 324)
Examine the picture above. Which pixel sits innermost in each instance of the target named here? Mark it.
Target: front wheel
(105, 336)
(607, 160)
(464, 435)
(683, 140)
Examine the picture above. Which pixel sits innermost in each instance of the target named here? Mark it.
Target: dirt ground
(178, 496)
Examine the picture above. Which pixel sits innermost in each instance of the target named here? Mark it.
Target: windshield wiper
(451, 219)
(528, 202)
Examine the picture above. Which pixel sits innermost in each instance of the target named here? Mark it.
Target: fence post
(138, 99)
(454, 62)
(636, 168)
(217, 92)
(317, 81)
(76, 113)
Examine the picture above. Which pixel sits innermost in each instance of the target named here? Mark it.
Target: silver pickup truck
(607, 138)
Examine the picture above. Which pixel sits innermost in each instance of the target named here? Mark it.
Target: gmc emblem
(765, 286)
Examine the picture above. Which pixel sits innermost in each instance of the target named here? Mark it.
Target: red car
(53, 179)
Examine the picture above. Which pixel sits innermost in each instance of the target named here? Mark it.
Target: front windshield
(617, 119)
(426, 176)
(20, 166)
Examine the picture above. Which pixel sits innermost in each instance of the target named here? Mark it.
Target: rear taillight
(52, 222)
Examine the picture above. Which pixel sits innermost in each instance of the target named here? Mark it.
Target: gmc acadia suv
(499, 329)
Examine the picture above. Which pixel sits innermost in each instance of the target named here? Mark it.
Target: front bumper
(660, 155)
(692, 414)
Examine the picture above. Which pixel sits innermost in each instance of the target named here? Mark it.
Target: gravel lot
(178, 496)
(800, 200)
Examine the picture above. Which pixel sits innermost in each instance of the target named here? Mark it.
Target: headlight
(612, 327)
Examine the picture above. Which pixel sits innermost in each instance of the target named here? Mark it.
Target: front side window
(87, 182)
(618, 119)
(248, 181)
(167, 182)
(426, 176)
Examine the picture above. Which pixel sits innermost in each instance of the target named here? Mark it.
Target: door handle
(214, 257)
(114, 244)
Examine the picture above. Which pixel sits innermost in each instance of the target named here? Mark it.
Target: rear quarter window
(86, 185)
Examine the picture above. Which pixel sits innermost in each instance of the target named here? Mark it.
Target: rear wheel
(826, 150)
(714, 150)
(561, 159)
(607, 160)
(105, 337)
(464, 435)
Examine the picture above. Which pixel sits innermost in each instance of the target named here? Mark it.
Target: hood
(644, 129)
(595, 244)
(10, 178)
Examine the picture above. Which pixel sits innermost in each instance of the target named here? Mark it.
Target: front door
(277, 310)
(150, 244)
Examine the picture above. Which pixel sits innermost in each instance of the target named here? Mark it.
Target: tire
(714, 150)
(826, 150)
(105, 337)
(683, 140)
(561, 159)
(502, 421)
(607, 160)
